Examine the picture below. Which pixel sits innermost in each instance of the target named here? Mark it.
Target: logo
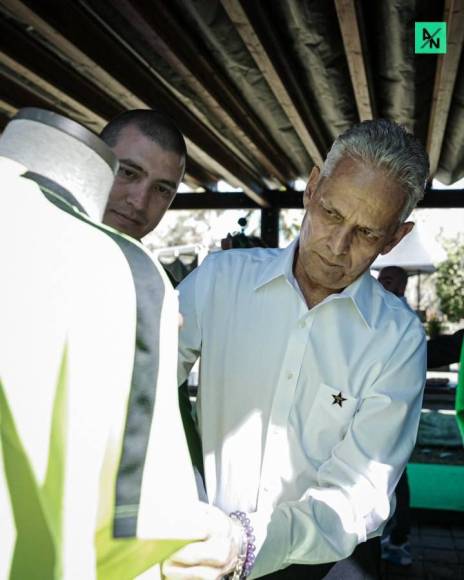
(430, 38)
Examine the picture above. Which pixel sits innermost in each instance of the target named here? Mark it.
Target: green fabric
(436, 486)
(460, 394)
(124, 559)
(37, 510)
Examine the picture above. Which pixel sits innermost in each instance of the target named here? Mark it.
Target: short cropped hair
(390, 147)
(153, 124)
(398, 272)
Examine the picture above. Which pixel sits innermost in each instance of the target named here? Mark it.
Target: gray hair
(389, 146)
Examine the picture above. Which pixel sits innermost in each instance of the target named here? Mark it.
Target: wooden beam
(270, 226)
(235, 200)
(21, 47)
(213, 200)
(201, 137)
(348, 20)
(445, 78)
(112, 65)
(59, 100)
(7, 109)
(443, 198)
(16, 95)
(161, 31)
(4, 119)
(200, 175)
(240, 19)
(290, 199)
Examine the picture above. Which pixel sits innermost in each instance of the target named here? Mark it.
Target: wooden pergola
(260, 88)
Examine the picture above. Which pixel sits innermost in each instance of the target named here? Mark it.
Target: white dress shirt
(307, 416)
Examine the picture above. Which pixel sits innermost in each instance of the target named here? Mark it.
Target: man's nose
(138, 196)
(340, 240)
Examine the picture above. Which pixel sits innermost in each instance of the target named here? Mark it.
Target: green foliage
(450, 280)
(434, 326)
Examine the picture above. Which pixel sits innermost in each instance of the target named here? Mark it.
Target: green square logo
(430, 38)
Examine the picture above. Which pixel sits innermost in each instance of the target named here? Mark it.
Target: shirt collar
(359, 292)
(280, 265)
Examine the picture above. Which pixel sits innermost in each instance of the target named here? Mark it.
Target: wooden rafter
(200, 175)
(351, 35)
(290, 199)
(7, 109)
(244, 27)
(18, 95)
(21, 47)
(103, 60)
(60, 100)
(445, 78)
(161, 31)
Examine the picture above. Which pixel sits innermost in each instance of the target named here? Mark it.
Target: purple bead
(249, 559)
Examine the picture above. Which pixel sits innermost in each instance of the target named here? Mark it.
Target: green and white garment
(95, 476)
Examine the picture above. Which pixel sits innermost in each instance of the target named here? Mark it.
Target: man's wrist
(246, 557)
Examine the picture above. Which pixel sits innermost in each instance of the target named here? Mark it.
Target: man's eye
(163, 190)
(331, 213)
(368, 235)
(126, 173)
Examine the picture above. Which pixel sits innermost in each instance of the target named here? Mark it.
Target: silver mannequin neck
(61, 157)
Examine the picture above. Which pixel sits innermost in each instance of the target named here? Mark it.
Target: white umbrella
(410, 254)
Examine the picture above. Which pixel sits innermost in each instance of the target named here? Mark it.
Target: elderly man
(152, 154)
(311, 374)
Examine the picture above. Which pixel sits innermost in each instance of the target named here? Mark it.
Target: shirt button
(302, 323)
(289, 375)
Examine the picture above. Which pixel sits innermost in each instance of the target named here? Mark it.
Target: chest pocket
(327, 422)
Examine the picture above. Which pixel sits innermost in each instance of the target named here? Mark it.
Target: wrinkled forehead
(359, 188)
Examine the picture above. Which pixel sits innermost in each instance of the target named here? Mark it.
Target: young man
(311, 374)
(152, 155)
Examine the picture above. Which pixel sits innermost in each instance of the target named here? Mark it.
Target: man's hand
(211, 558)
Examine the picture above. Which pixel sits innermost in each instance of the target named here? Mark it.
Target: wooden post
(270, 226)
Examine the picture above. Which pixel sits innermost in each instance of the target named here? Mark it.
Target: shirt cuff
(271, 553)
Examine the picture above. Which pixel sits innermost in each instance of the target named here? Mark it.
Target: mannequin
(88, 352)
(64, 152)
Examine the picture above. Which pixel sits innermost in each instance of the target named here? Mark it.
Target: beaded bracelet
(247, 553)
(241, 558)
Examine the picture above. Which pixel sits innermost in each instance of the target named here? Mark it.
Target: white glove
(209, 559)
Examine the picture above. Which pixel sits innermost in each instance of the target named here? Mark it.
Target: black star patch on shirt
(338, 399)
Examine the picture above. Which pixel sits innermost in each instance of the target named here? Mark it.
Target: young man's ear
(402, 231)
(311, 185)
